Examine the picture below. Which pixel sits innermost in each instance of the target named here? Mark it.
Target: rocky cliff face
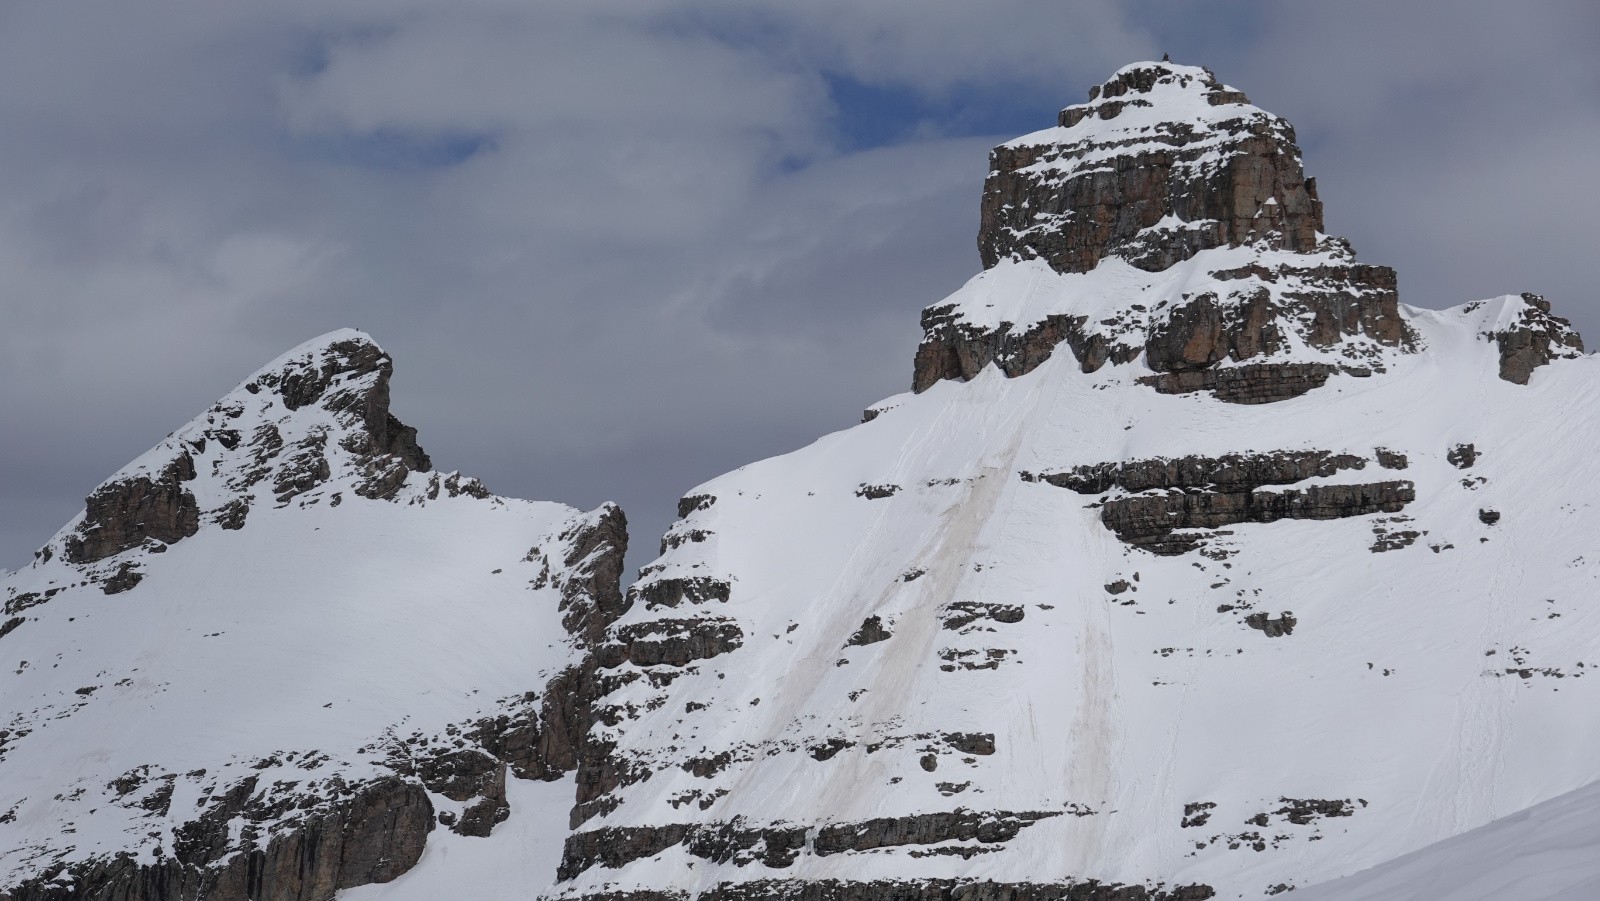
(320, 653)
(1163, 161)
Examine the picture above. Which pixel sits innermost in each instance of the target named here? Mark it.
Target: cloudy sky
(619, 248)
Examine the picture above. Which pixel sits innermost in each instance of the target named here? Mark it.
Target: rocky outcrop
(774, 846)
(1256, 383)
(1228, 473)
(672, 591)
(952, 349)
(872, 631)
(471, 777)
(1536, 337)
(154, 500)
(341, 368)
(1220, 341)
(591, 592)
(364, 834)
(672, 642)
(1170, 506)
(1214, 171)
(125, 513)
(779, 845)
(1165, 523)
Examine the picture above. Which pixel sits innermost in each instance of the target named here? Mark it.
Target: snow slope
(1549, 852)
(1423, 691)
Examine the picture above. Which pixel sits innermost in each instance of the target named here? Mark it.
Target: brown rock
(1538, 338)
(1075, 217)
(125, 513)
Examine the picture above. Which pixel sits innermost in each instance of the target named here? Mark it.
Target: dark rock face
(674, 642)
(126, 513)
(1272, 626)
(673, 591)
(473, 777)
(591, 593)
(304, 384)
(1302, 811)
(925, 829)
(1229, 473)
(1197, 813)
(774, 846)
(871, 632)
(1153, 523)
(1537, 338)
(980, 743)
(1038, 203)
(127, 576)
(779, 845)
(953, 349)
(1258, 383)
(371, 833)
(1389, 459)
(958, 615)
(1171, 504)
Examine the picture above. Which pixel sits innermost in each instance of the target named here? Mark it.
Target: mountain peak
(1158, 84)
(309, 427)
(1167, 226)
(1163, 161)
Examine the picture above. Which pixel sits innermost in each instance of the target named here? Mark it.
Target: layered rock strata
(1162, 162)
(1170, 507)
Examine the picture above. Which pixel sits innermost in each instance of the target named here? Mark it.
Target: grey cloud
(658, 264)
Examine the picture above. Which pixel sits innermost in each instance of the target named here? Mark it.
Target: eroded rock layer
(1170, 507)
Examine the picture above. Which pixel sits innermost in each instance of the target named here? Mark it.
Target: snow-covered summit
(313, 426)
(1166, 229)
(277, 651)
